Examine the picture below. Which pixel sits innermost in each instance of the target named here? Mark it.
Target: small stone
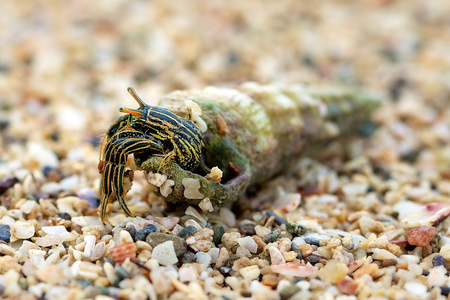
(227, 216)
(347, 286)
(223, 258)
(367, 269)
(261, 231)
(314, 238)
(188, 258)
(179, 244)
(289, 255)
(297, 250)
(388, 262)
(5, 232)
(445, 252)
(206, 205)
(142, 234)
(438, 260)
(203, 258)
(132, 231)
(421, 236)
(416, 288)
(437, 276)
(305, 249)
(187, 231)
(64, 215)
(168, 222)
(248, 243)
(313, 259)
(165, 254)
(272, 236)
(287, 202)
(250, 272)
(218, 233)
(47, 208)
(247, 227)
(275, 256)
(333, 271)
(187, 273)
(22, 230)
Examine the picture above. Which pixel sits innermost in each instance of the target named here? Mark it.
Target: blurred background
(65, 65)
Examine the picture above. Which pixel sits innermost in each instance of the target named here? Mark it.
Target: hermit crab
(249, 133)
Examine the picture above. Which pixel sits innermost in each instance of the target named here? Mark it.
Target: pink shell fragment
(427, 215)
(293, 269)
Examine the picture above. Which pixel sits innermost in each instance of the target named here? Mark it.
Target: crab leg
(115, 157)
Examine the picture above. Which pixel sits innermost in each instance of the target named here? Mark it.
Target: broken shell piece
(166, 188)
(191, 188)
(215, 174)
(156, 179)
(427, 215)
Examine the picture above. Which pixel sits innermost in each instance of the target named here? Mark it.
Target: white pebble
(28, 206)
(43, 156)
(187, 273)
(437, 276)
(411, 259)
(298, 241)
(248, 243)
(51, 187)
(250, 272)
(203, 258)
(228, 216)
(164, 253)
(70, 182)
(288, 202)
(90, 244)
(276, 256)
(22, 230)
(54, 229)
(416, 288)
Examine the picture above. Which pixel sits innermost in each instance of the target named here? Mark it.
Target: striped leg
(115, 157)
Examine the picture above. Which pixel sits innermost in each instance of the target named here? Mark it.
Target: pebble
(416, 288)
(22, 230)
(168, 222)
(248, 243)
(227, 216)
(445, 252)
(314, 238)
(421, 236)
(275, 256)
(179, 244)
(218, 233)
(438, 260)
(247, 227)
(203, 258)
(187, 231)
(5, 232)
(287, 202)
(223, 258)
(165, 254)
(250, 272)
(187, 273)
(142, 234)
(271, 236)
(313, 258)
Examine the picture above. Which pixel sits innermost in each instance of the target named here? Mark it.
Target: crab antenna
(131, 111)
(138, 99)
